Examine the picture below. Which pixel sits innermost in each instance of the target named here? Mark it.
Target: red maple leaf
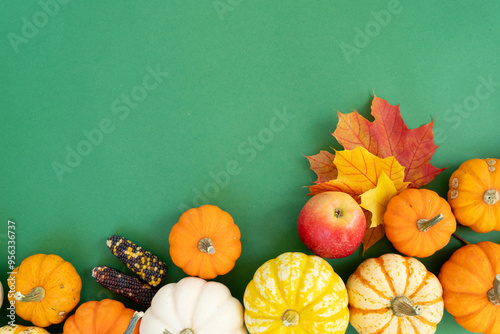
(388, 136)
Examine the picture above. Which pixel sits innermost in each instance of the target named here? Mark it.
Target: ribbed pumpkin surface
(296, 293)
(375, 285)
(402, 217)
(100, 317)
(467, 277)
(474, 194)
(217, 227)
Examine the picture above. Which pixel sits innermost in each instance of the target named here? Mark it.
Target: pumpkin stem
(35, 295)
(206, 245)
(290, 318)
(186, 331)
(425, 224)
(494, 293)
(133, 322)
(491, 196)
(402, 306)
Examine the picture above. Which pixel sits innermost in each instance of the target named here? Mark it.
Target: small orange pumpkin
(102, 317)
(474, 193)
(47, 289)
(205, 242)
(419, 222)
(471, 287)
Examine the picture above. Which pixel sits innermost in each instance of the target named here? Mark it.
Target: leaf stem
(461, 239)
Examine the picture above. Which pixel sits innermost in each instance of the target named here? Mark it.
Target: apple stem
(425, 224)
(338, 213)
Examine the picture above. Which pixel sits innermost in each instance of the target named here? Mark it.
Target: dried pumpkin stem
(35, 295)
(133, 322)
(206, 245)
(425, 224)
(402, 306)
(290, 318)
(494, 293)
(184, 331)
(491, 196)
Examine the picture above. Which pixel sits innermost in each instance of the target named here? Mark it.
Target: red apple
(332, 224)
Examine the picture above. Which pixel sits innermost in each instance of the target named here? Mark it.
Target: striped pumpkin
(20, 329)
(296, 293)
(394, 294)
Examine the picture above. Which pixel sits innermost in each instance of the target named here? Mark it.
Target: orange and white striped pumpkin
(296, 293)
(19, 329)
(394, 294)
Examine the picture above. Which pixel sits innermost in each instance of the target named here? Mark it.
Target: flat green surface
(224, 71)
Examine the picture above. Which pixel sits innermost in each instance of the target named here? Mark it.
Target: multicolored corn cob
(146, 265)
(124, 285)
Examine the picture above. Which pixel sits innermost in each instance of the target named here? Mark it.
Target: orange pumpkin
(205, 242)
(474, 193)
(419, 222)
(101, 317)
(47, 289)
(471, 287)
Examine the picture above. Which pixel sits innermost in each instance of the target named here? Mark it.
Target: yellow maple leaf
(375, 200)
(359, 171)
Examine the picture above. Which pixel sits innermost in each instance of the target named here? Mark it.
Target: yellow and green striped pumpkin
(394, 294)
(296, 293)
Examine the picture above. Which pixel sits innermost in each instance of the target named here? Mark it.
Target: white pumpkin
(193, 306)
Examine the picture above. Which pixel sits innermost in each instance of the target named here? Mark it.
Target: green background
(67, 69)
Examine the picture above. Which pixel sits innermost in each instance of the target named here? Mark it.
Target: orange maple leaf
(359, 171)
(322, 164)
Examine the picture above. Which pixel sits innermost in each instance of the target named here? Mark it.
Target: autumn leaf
(359, 171)
(375, 200)
(372, 236)
(389, 136)
(354, 130)
(322, 164)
